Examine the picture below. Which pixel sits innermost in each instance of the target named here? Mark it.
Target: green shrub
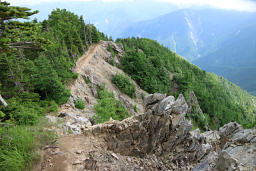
(53, 106)
(2, 115)
(112, 61)
(108, 107)
(199, 120)
(87, 80)
(75, 75)
(24, 111)
(124, 84)
(112, 51)
(135, 108)
(79, 104)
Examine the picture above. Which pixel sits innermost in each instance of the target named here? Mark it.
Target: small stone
(79, 152)
(115, 156)
(77, 162)
(129, 159)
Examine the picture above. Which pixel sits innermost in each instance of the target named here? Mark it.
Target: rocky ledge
(164, 133)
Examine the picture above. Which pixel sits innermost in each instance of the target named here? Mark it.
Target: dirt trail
(81, 62)
(73, 152)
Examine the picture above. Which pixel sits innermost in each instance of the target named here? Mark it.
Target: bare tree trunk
(3, 101)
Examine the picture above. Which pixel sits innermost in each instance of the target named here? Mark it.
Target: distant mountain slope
(191, 33)
(235, 59)
(157, 69)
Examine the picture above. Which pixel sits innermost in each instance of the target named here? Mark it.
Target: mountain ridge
(105, 100)
(207, 25)
(158, 137)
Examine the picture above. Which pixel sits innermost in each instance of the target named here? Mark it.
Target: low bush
(112, 51)
(112, 61)
(108, 107)
(79, 104)
(53, 106)
(87, 80)
(135, 108)
(75, 75)
(124, 84)
(24, 111)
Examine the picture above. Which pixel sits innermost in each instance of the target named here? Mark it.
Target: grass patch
(112, 61)
(79, 104)
(87, 80)
(124, 84)
(18, 145)
(108, 107)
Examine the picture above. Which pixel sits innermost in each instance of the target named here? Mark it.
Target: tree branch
(3, 101)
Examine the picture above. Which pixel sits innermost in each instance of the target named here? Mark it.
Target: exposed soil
(75, 152)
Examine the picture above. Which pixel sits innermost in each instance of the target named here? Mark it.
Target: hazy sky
(242, 5)
(112, 16)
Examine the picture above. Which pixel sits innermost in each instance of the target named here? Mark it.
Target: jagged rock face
(236, 149)
(116, 47)
(160, 139)
(163, 132)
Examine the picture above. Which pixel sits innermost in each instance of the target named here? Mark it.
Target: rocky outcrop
(194, 108)
(116, 47)
(159, 139)
(193, 104)
(94, 70)
(236, 149)
(164, 132)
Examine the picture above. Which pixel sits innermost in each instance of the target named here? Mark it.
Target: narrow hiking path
(83, 61)
(72, 150)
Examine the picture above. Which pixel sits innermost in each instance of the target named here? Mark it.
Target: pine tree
(10, 30)
(47, 81)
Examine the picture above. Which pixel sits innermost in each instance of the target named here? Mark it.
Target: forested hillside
(219, 41)
(192, 33)
(235, 59)
(151, 66)
(36, 62)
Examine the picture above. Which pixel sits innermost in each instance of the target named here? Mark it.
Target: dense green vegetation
(37, 74)
(108, 107)
(79, 104)
(219, 43)
(146, 68)
(36, 61)
(18, 145)
(124, 84)
(234, 59)
(155, 68)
